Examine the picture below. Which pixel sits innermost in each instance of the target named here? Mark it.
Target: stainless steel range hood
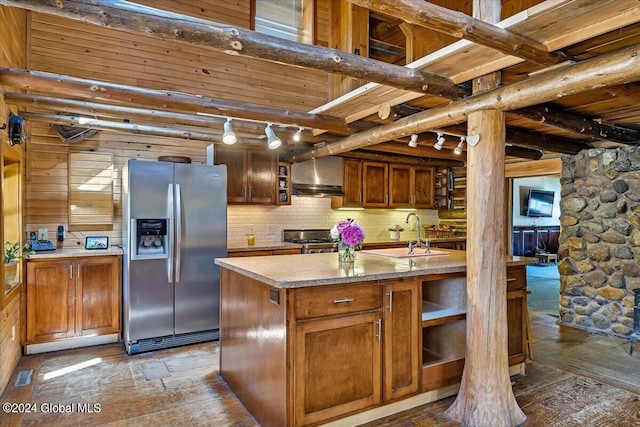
(321, 177)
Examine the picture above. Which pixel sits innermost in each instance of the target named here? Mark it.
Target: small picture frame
(97, 242)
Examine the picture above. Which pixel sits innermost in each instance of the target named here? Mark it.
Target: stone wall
(600, 239)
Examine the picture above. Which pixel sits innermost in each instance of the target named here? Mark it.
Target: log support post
(485, 398)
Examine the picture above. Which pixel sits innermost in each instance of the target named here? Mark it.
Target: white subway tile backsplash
(311, 212)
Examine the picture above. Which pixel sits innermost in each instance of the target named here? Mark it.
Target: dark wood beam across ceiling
(605, 70)
(163, 25)
(460, 25)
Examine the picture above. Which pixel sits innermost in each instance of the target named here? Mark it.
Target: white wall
(311, 212)
(521, 188)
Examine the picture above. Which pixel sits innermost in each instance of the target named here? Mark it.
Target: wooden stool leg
(527, 326)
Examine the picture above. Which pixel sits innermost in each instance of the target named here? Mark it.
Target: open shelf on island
(435, 314)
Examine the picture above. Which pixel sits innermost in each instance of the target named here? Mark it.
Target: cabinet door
(337, 367)
(516, 310)
(423, 187)
(401, 188)
(375, 183)
(98, 294)
(237, 183)
(262, 177)
(352, 183)
(50, 301)
(401, 339)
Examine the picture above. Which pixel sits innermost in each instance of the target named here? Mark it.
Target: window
(287, 19)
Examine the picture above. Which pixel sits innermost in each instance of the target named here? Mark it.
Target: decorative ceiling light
(272, 140)
(439, 142)
(458, 150)
(298, 135)
(413, 142)
(229, 137)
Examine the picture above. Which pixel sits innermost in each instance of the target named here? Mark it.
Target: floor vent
(24, 377)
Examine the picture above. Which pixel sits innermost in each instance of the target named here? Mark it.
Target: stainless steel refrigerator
(174, 219)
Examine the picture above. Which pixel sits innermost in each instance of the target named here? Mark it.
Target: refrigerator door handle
(178, 231)
(170, 233)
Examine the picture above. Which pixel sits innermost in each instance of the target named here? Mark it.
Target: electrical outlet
(248, 229)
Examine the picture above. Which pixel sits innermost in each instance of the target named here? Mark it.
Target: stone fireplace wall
(600, 239)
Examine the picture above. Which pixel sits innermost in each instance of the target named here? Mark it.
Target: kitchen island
(305, 340)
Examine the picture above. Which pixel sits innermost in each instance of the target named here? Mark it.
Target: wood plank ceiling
(548, 37)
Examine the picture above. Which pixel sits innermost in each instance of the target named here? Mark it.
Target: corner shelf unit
(443, 186)
(284, 184)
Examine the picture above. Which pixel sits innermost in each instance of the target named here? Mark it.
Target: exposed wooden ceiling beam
(460, 25)
(605, 70)
(515, 136)
(412, 160)
(591, 130)
(74, 86)
(84, 122)
(138, 19)
(241, 128)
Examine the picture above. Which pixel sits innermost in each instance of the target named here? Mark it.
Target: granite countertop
(323, 268)
(76, 252)
(270, 246)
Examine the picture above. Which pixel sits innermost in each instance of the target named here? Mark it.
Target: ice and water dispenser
(151, 238)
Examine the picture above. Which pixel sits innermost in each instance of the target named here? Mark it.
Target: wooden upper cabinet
(410, 186)
(251, 175)
(401, 186)
(375, 183)
(352, 183)
(423, 187)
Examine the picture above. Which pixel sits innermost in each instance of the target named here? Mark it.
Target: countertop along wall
(268, 222)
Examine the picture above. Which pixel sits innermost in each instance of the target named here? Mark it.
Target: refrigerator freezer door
(147, 288)
(203, 237)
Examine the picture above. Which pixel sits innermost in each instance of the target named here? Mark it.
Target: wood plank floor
(577, 379)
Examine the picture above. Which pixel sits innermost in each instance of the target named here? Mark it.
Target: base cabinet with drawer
(313, 354)
(72, 297)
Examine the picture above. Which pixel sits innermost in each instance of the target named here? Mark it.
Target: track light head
(413, 142)
(298, 135)
(229, 137)
(272, 140)
(458, 150)
(439, 141)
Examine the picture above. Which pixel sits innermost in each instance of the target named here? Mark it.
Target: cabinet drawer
(516, 277)
(318, 302)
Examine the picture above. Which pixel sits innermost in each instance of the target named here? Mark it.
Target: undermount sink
(403, 252)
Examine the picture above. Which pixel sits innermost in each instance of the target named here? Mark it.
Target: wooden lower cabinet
(401, 338)
(263, 252)
(72, 297)
(337, 367)
(311, 355)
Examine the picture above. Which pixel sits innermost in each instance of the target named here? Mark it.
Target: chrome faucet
(418, 239)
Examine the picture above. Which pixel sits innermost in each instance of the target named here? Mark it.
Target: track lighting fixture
(229, 137)
(298, 135)
(458, 150)
(413, 142)
(272, 140)
(439, 141)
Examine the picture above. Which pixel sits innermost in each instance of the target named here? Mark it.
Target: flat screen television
(540, 203)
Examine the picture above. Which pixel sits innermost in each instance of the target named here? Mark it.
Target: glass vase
(346, 254)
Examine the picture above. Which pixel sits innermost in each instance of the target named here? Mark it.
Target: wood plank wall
(72, 48)
(13, 34)
(68, 47)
